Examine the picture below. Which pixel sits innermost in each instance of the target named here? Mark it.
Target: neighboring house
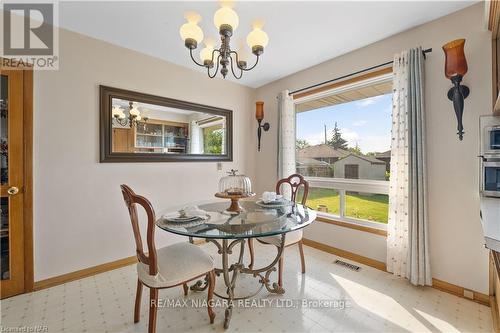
(322, 152)
(360, 167)
(386, 157)
(311, 167)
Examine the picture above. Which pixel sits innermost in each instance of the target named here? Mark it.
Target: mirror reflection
(139, 127)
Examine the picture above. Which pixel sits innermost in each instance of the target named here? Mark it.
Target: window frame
(342, 185)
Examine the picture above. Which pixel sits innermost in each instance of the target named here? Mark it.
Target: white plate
(279, 198)
(276, 204)
(181, 219)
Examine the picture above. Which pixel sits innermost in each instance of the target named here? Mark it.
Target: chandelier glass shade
(226, 20)
(133, 118)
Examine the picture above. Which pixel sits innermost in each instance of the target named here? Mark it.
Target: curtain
(407, 229)
(286, 135)
(286, 150)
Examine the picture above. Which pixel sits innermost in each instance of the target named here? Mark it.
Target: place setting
(188, 216)
(273, 200)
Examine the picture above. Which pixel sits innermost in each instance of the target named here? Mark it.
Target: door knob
(13, 190)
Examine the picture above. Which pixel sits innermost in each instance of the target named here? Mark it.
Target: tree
(213, 142)
(301, 144)
(356, 150)
(337, 141)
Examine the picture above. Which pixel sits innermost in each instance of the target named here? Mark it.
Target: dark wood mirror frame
(106, 94)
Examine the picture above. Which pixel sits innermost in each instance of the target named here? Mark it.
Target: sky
(366, 122)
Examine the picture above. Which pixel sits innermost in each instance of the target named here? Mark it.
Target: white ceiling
(301, 33)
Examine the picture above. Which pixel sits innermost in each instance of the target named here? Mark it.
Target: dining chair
(167, 267)
(295, 181)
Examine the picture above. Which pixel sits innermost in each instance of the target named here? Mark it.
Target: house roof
(370, 159)
(322, 150)
(385, 154)
(311, 161)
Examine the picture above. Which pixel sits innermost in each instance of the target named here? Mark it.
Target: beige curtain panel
(407, 229)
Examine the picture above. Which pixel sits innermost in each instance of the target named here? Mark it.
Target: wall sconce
(259, 115)
(455, 69)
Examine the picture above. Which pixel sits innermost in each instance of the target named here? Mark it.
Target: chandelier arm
(216, 68)
(121, 122)
(245, 69)
(196, 62)
(232, 67)
(249, 69)
(213, 54)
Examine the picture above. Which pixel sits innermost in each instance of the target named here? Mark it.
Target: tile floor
(374, 302)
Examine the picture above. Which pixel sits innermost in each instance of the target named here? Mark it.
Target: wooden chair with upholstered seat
(295, 181)
(167, 267)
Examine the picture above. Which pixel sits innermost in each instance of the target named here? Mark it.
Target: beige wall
(80, 217)
(456, 243)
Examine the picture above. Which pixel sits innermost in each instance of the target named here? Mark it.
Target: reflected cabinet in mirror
(137, 127)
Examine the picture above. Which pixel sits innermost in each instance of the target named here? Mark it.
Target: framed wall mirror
(137, 127)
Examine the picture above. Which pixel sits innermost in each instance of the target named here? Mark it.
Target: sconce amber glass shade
(259, 110)
(455, 63)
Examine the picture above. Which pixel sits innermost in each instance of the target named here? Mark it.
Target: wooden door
(122, 140)
(12, 183)
(351, 171)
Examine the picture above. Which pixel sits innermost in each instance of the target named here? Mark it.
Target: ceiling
(301, 33)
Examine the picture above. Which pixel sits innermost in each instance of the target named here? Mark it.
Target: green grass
(366, 207)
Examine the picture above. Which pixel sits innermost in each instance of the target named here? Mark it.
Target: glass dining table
(227, 230)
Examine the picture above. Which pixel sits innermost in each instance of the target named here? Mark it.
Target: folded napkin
(268, 197)
(192, 211)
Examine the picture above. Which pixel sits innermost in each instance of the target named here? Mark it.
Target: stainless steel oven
(490, 136)
(490, 180)
(490, 156)
(494, 134)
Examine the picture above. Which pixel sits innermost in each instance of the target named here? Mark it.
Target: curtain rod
(424, 52)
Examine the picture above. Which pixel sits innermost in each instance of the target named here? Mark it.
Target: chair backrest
(295, 181)
(132, 200)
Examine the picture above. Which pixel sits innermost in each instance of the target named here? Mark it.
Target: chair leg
(185, 287)
(211, 287)
(153, 306)
(250, 248)
(280, 271)
(138, 296)
(302, 260)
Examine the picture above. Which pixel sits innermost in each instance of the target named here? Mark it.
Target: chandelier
(226, 21)
(134, 115)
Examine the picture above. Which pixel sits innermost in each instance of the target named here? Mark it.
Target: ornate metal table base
(230, 273)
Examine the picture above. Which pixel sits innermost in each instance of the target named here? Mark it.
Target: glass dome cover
(235, 184)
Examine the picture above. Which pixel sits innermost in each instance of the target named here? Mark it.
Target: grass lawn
(366, 207)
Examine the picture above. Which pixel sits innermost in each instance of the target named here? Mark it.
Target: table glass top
(254, 221)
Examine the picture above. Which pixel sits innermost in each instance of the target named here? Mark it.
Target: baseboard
(345, 254)
(437, 284)
(459, 291)
(86, 272)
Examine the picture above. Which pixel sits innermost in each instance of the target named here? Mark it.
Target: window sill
(352, 225)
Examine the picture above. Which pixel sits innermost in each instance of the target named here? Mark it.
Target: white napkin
(269, 197)
(194, 211)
